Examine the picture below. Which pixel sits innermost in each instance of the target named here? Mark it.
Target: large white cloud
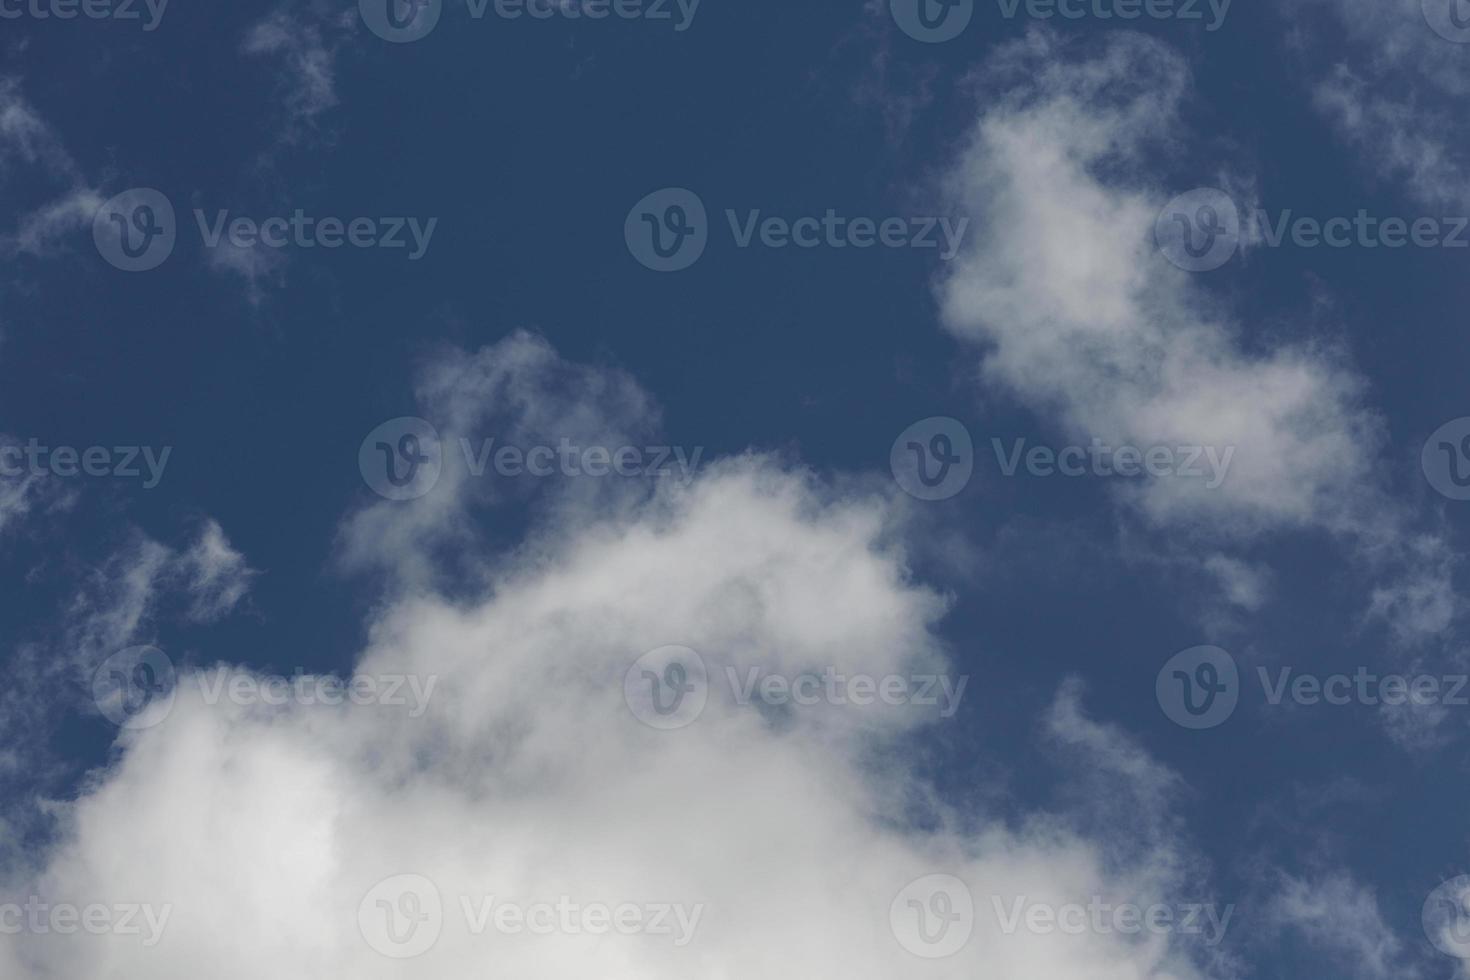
(530, 778)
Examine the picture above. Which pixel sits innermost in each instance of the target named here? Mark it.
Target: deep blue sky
(530, 141)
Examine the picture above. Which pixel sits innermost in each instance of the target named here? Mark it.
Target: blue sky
(623, 538)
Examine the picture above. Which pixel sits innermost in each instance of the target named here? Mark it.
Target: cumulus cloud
(793, 830)
(1082, 320)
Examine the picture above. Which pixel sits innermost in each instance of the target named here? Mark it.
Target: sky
(657, 488)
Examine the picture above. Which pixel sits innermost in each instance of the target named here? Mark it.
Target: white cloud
(1340, 918)
(1082, 319)
(529, 778)
(306, 53)
(1396, 96)
(26, 139)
